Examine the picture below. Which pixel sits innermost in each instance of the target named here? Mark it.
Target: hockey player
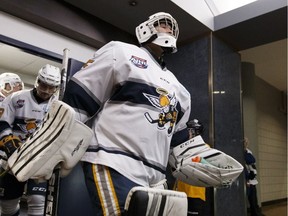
(9, 83)
(137, 109)
(21, 113)
(251, 180)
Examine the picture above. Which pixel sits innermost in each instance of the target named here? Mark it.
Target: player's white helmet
(50, 75)
(48, 81)
(10, 82)
(147, 32)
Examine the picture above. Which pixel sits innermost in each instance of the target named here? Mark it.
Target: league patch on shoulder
(1, 111)
(139, 62)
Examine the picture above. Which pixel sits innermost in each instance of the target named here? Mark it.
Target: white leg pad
(143, 201)
(36, 204)
(10, 207)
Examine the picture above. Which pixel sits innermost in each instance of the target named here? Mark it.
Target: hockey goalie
(59, 140)
(195, 163)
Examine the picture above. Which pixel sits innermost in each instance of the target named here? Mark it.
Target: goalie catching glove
(215, 169)
(9, 144)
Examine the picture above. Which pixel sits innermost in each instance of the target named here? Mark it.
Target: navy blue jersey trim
(180, 113)
(133, 92)
(146, 163)
(4, 125)
(78, 98)
(179, 137)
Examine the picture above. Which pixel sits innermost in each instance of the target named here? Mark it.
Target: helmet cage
(147, 31)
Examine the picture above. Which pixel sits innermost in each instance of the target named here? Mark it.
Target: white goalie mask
(10, 82)
(147, 31)
(47, 81)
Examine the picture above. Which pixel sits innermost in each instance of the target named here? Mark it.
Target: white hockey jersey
(136, 106)
(20, 114)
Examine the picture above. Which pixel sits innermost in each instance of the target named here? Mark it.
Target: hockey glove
(252, 175)
(9, 144)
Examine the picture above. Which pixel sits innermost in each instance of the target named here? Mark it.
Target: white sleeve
(97, 77)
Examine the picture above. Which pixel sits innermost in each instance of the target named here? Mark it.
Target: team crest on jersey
(20, 103)
(139, 62)
(89, 62)
(166, 103)
(29, 127)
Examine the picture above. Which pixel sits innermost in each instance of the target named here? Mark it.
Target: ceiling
(261, 40)
(25, 64)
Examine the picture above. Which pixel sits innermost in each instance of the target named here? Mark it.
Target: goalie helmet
(147, 31)
(47, 82)
(10, 82)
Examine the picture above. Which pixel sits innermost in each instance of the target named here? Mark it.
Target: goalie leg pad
(35, 204)
(10, 207)
(60, 139)
(142, 201)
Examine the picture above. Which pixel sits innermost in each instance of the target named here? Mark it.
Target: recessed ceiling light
(133, 3)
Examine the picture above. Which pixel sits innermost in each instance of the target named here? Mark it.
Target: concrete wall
(272, 142)
(265, 124)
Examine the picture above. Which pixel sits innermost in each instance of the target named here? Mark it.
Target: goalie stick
(149, 118)
(53, 184)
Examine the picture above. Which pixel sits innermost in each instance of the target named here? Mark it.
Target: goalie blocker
(59, 140)
(218, 169)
